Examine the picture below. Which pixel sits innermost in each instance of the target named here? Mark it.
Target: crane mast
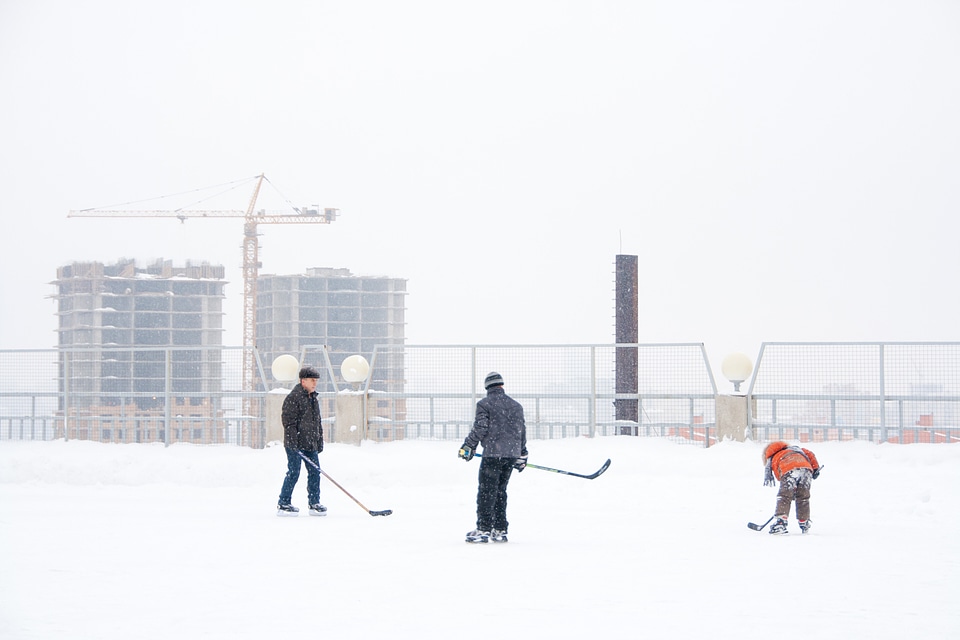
(251, 268)
(251, 264)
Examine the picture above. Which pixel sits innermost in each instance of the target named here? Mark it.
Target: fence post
(66, 394)
(167, 372)
(900, 421)
(536, 414)
(473, 374)
(883, 398)
(593, 392)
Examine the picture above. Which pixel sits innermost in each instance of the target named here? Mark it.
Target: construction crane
(251, 255)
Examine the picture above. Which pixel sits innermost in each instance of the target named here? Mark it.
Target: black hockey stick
(385, 512)
(566, 473)
(760, 527)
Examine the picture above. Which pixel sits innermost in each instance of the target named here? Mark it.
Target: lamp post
(352, 407)
(736, 368)
(285, 369)
(733, 413)
(355, 370)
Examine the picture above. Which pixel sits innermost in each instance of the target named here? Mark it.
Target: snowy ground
(142, 542)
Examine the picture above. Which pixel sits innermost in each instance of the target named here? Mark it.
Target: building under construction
(133, 341)
(347, 314)
(141, 348)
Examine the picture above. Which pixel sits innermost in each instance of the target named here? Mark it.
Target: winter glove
(768, 480)
(320, 446)
(816, 472)
(520, 464)
(465, 452)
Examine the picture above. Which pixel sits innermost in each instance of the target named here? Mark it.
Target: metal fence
(879, 391)
(566, 390)
(882, 392)
(142, 394)
(195, 394)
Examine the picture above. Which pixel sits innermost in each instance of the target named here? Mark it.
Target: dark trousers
(293, 474)
(492, 494)
(795, 486)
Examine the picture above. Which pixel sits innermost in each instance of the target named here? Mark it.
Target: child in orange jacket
(795, 468)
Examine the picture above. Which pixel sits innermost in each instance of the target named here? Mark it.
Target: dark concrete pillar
(627, 319)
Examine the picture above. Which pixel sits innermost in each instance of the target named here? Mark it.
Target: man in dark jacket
(302, 433)
(500, 428)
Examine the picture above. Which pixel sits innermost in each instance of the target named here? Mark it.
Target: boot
(478, 536)
(287, 510)
(779, 527)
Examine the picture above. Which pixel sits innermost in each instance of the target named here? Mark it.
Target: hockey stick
(385, 512)
(566, 473)
(760, 527)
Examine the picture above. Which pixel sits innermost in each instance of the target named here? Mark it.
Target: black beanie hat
(309, 372)
(493, 379)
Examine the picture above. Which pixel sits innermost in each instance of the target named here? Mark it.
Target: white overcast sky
(783, 170)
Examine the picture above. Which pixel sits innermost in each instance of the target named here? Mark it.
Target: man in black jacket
(302, 433)
(500, 428)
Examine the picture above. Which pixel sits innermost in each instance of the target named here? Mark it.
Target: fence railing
(882, 392)
(173, 394)
(879, 391)
(566, 390)
(141, 394)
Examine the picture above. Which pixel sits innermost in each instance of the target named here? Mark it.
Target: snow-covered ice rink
(118, 542)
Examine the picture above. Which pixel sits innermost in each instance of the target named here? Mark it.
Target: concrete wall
(274, 426)
(351, 426)
(732, 417)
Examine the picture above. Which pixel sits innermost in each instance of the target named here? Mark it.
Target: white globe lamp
(736, 368)
(354, 369)
(285, 368)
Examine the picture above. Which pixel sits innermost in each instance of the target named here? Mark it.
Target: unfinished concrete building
(137, 345)
(347, 313)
